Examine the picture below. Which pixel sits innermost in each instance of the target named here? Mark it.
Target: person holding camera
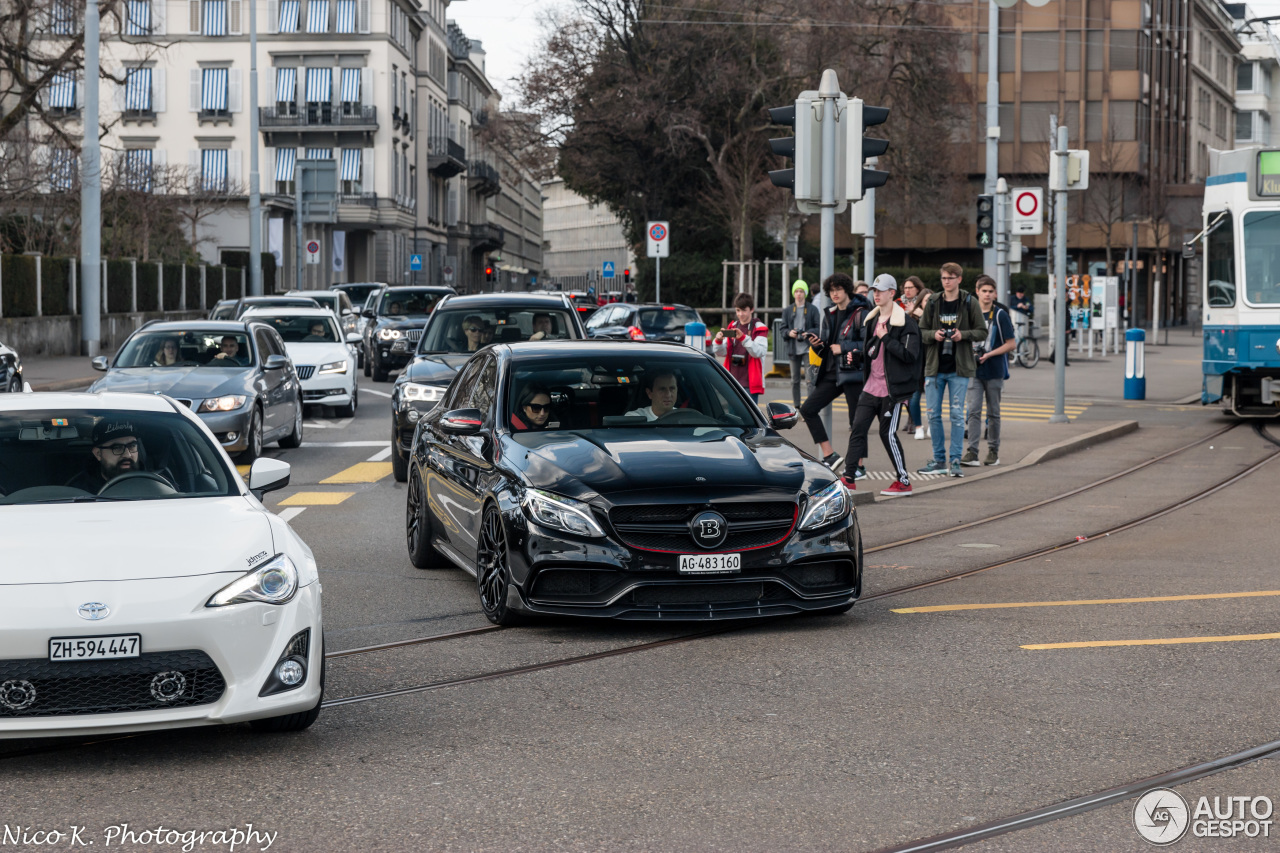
(840, 347)
(952, 322)
(743, 344)
(988, 380)
(799, 319)
(891, 356)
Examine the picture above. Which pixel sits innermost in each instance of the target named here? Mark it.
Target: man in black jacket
(839, 346)
(891, 357)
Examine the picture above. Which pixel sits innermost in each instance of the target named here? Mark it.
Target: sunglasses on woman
(538, 408)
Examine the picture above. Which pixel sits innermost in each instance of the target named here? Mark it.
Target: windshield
(409, 303)
(1262, 257)
(666, 319)
(630, 392)
(464, 330)
(192, 348)
(327, 299)
(302, 330)
(69, 456)
(224, 311)
(358, 293)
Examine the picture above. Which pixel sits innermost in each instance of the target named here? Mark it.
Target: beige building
(580, 238)
(1257, 93)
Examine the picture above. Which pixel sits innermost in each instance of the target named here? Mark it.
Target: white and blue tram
(1241, 245)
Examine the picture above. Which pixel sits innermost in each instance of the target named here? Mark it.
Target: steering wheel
(138, 475)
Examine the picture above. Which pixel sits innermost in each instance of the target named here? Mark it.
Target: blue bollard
(1135, 368)
(695, 335)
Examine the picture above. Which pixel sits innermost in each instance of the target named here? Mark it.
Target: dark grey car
(236, 376)
(10, 370)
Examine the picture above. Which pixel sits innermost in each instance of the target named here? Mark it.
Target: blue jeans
(913, 409)
(956, 387)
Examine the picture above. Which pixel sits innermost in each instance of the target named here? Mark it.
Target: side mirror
(275, 362)
(100, 363)
(782, 415)
(462, 421)
(354, 337)
(267, 475)
(368, 312)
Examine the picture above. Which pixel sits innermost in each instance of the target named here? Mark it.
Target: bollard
(1135, 369)
(781, 363)
(695, 335)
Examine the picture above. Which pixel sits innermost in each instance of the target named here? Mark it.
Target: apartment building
(580, 236)
(1257, 95)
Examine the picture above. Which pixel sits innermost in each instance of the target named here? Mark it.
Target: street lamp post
(255, 194)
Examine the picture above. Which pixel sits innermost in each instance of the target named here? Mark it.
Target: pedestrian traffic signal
(859, 179)
(804, 147)
(986, 222)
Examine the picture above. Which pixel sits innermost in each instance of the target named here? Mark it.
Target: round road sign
(448, 270)
(1026, 204)
(657, 232)
(313, 247)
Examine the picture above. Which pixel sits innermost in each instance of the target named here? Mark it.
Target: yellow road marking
(1229, 638)
(244, 470)
(315, 499)
(362, 472)
(941, 608)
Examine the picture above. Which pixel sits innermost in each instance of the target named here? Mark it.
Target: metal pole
(1002, 239)
(1157, 261)
(657, 284)
(297, 218)
(869, 239)
(1060, 275)
(993, 117)
(255, 194)
(1051, 241)
(91, 194)
(1130, 306)
(829, 92)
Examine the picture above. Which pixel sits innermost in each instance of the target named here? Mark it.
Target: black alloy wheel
(294, 439)
(417, 527)
(253, 438)
(366, 362)
(493, 569)
(379, 372)
(15, 385)
(399, 462)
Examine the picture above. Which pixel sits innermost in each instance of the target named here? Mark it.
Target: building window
(138, 18)
(62, 93)
(319, 94)
(346, 16)
(286, 91)
(1124, 50)
(350, 175)
(289, 16)
(214, 22)
(213, 92)
(1202, 107)
(1124, 121)
(317, 16)
(286, 158)
(64, 168)
(138, 169)
(351, 91)
(1244, 76)
(213, 170)
(137, 91)
(63, 18)
(1220, 120)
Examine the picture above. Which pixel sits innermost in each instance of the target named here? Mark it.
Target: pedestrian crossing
(1010, 410)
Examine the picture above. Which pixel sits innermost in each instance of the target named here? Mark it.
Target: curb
(65, 384)
(1042, 454)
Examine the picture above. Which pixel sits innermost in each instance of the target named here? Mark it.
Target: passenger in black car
(534, 409)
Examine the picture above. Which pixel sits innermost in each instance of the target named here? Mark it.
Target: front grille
(665, 527)
(699, 593)
(413, 334)
(558, 583)
(306, 371)
(149, 682)
(186, 403)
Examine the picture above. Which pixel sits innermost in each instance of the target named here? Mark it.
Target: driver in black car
(662, 388)
(116, 450)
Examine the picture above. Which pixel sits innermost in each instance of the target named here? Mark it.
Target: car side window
(344, 301)
(601, 318)
(485, 387)
(263, 341)
(277, 343)
(455, 397)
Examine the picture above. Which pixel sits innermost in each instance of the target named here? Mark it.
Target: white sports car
(143, 585)
(324, 358)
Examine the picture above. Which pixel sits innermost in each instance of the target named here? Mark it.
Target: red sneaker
(897, 488)
(849, 483)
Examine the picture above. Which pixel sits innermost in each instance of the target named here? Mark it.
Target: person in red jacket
(743, 344)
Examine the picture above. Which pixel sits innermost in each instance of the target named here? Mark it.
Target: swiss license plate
(706, 564)
(95, 648)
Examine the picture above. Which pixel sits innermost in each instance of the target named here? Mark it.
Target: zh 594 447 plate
(95, 648)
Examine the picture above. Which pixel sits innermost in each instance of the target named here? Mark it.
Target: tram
(1241, 296)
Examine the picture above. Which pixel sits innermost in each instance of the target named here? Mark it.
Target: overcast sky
(509, 30)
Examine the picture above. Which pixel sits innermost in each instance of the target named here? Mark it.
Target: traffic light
(804, 147)
(626, 276)
(859, 179)
(488, 275)
(986, 222)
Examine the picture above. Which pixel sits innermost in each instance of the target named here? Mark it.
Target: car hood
(435, 369)
(129, 540)
(401, 323)
(192, 383)
(606, 462)
(317, 352)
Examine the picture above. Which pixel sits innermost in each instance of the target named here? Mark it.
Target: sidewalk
(58, 373)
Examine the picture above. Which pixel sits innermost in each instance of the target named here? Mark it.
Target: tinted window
(295, 330)
(194, 347)
(1221, 263)
(460, 388)
(408, 303)
(1261, 257)
(359, 292)
(666, 319)
(450, 330)
(484, 388)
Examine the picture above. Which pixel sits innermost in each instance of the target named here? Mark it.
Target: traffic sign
(608, 270)
(448, 273)
(1028, 210)
(313, 252)
(415, 263)
(659, 234)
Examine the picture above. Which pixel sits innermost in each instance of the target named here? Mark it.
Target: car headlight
(415, 392)
(389, 334)
(333, 367)
(561, 513)
(223, 404)
(274, 582)
(826, 507)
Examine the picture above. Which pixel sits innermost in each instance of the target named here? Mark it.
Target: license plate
(706, 564)
(95, 648)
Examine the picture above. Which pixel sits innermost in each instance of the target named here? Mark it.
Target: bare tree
(203, 200)
(1110, 183)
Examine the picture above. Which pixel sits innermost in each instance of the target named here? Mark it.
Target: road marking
(361, 472)
(291, 513)
(374, 391)
(942, 608)
(1172, 641)
(346, 444)
(382, 455)
(316, 499)
(244, 470)
(341, 423)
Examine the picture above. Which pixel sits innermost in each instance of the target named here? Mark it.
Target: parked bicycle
(1027, 350)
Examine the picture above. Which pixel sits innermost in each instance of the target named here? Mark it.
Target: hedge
(18, 284)
(55, 286)
(119, 287)
(173, 287)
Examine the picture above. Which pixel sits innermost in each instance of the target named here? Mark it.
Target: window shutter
(159, 158)
(193, 16)
(158, 9)
(193, 177)
(366, 86)
(194, 90)
(235, 165)
(362, 15)
(119, 88)
(235, 90)
(273, 16)
(366, 171)
(233, 17)
(158, 89)
(80, 90)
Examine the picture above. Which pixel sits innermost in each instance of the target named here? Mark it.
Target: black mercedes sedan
(459, 327)
(10, 370)
(625, 480)
(236, 375)
(395, 326)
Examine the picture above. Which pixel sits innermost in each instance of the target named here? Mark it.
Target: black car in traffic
(460, 326)
(625, 480)
(10, 370)
(395, 325)
(644, 322)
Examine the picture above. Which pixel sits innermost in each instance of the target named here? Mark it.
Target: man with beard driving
(116, 450)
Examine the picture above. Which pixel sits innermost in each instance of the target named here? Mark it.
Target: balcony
(319, 116)
(214, 116)
(487, 237)
(365, 199)
(484, 178)
(138, 116)
(445, 157)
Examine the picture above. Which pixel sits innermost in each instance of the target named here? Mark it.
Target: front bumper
(405, 422)
(226, 424)
(393, 355)
(562, 575)
(244, 641)
(329, 389)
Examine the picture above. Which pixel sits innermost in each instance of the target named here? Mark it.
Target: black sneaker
(833, 461)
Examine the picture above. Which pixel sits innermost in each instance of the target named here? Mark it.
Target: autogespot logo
(1161, 816)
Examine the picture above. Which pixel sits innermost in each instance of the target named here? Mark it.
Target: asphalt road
(854, 732)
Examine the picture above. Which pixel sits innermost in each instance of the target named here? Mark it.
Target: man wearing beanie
(800, 319)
